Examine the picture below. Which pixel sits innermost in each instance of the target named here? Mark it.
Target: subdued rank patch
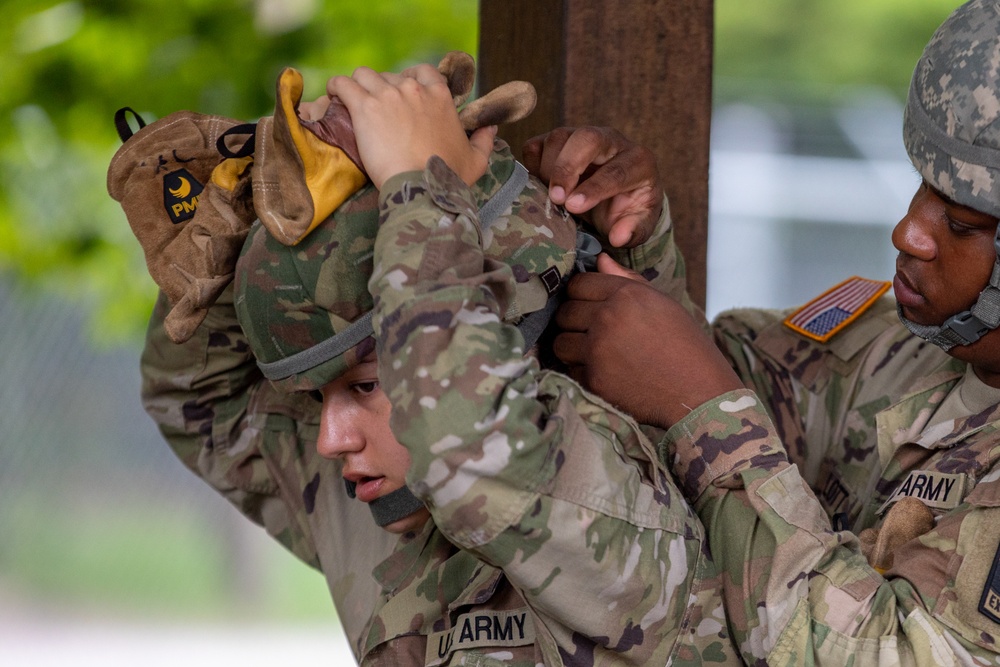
(835, 308)
(935, 489)
(180, 195)
(550, 278)
(481, 629)
(989, 604)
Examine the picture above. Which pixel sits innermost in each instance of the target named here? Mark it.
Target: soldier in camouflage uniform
(827, 441)
(554, 535)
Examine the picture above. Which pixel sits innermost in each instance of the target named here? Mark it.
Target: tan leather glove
(305, 169)
(188, 205)
(907, 519)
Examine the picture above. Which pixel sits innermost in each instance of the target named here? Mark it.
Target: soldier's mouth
(906, 294)
(368, 489)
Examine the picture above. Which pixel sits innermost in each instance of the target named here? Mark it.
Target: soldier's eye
(317, 395)
(366, 387)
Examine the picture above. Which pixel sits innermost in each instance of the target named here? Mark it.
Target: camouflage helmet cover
(951, 125)
(951, 128)
(291, 299)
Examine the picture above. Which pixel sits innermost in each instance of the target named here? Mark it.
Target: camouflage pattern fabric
(830, 435)
(949, 125)
(609, 504)
(521, 468)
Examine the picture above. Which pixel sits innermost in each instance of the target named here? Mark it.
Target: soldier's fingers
(482, 142)
(570, 348)
(608, 266)
(314, 110)
(619, 167)
(578, 373)
(584, 154)
(425, 74)
(594, 286)
(575, 315)
(540, 153)
(392, 78)
(626, 229)
(349, 91)
(369, 79)
(573, 164)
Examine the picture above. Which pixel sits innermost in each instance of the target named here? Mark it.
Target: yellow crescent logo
(182, 190)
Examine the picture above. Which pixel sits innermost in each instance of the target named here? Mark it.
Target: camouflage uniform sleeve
(735, 333)
(218, 415)
(519, 466)
(443, 350)
(796, 591)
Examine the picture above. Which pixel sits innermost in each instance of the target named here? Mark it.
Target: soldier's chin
(914, 315)
(410, 523)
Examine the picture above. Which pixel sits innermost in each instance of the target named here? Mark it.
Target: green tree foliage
(813, 48)
(66, 67)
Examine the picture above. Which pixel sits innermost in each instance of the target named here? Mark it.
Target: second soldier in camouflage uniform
(555, 536)
(800, 481)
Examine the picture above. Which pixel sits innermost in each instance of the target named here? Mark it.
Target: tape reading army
(481, 629)
(935, 489)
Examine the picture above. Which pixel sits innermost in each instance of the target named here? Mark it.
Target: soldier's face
(355, 429)
(946, 256)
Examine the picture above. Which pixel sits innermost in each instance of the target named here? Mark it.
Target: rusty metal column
(641, 66)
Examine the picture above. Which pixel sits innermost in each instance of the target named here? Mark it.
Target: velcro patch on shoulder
(989, 603)
(834, 309)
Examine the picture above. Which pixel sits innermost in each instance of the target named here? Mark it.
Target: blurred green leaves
(66, 67)
(813, 47)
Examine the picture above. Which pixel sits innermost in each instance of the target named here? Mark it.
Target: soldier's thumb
(482, 139)
(607, 265)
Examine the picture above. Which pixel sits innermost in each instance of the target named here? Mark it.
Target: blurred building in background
(802, 197)
(111, 553)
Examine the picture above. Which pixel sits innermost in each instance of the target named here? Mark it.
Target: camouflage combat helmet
(951, 128)
(306, 308)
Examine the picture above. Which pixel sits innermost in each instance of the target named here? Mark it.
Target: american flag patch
(835, 308)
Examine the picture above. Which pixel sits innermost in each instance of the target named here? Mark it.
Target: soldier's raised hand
(597, 171)
(401, 121)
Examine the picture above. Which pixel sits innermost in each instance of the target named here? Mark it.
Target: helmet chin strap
(968, 326)
(391, 507)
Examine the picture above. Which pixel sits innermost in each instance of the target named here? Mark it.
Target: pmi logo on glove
(180, 195)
